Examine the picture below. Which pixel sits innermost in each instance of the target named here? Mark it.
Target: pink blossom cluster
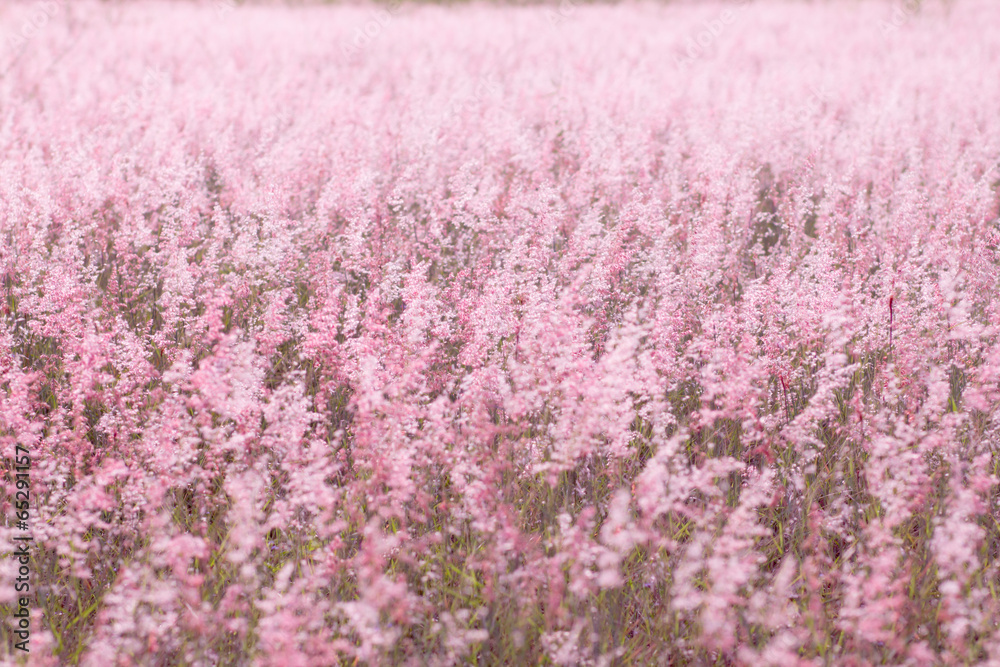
(478, 337)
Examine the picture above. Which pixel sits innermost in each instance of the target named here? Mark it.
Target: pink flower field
(567, 334)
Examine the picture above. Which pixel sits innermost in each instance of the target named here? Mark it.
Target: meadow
(568, 334)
